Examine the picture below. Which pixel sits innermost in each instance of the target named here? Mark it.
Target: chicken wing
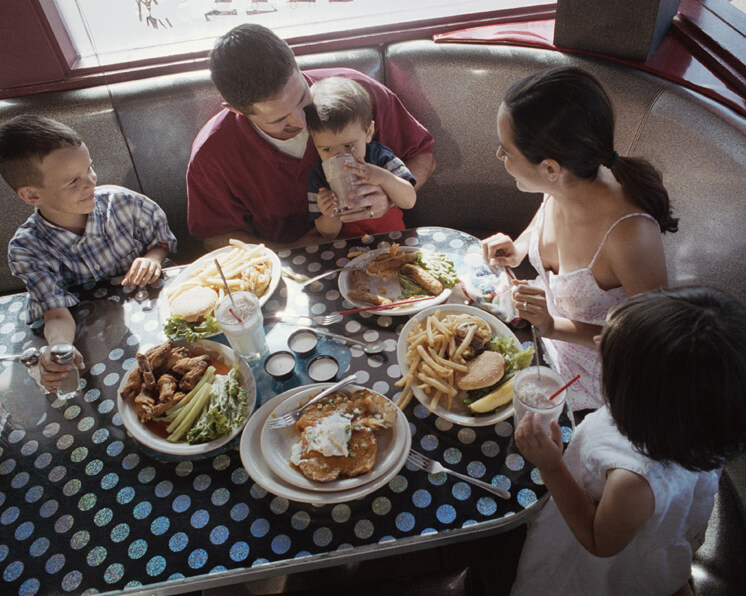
(147, 373)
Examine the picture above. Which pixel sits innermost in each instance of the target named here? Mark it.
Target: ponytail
(643, 185)
(564, 114)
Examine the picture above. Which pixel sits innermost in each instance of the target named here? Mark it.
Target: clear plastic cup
(247, 336)
(531, 392)
(340, 181)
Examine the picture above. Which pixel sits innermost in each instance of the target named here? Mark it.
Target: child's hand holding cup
(531, 391)
(340, 181)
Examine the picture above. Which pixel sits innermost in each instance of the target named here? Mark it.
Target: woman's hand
(531, 303)
(327, 201)
(500, 250)
(542, 450)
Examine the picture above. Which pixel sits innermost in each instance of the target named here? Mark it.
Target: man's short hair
(250, 64)
(335, 103)
(25, 141)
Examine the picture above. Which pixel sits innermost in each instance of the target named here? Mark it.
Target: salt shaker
(65, 354)
(30, 359)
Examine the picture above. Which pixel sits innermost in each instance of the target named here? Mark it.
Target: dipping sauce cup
(245, 337)
(280, 365)
(530, 394)
(303, 341)
(323, 368)
(340, 182)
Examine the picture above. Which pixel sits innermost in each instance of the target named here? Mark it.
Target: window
(149, 29)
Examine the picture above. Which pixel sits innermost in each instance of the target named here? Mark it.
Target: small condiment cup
(303, 342)
(280, 365)
(323, 368)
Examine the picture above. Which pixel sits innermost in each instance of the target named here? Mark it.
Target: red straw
(230, 310)
(510, 273)
(383, 306)
(565, 386)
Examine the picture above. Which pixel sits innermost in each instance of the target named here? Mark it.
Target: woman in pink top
(596, 238)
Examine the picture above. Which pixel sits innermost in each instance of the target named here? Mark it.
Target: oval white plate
(393, 289)
(164, 307)
(142, 434)
(255, 464)
(459, 413)
(277, 444)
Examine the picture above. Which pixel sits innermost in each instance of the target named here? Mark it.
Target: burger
(191, 314)
(484, 371)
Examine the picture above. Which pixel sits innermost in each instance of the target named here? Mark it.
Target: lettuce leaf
(225, 411)
(178, 328)
(440, 266)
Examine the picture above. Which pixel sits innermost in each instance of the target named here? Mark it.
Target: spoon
(371, 349)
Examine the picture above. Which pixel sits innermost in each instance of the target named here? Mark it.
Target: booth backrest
(140, 133)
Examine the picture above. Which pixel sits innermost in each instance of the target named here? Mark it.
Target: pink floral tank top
(576, 296)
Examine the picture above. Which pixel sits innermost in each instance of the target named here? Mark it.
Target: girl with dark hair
(596, 238)
(631, 497)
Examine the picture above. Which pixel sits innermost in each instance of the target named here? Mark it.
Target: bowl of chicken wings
(186, 399)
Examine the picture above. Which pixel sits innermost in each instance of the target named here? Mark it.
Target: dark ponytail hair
(564, 114)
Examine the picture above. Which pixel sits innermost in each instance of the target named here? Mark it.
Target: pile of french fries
(436, 354)
(247, 267)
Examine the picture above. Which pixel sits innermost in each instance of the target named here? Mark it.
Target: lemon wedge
(494, 399)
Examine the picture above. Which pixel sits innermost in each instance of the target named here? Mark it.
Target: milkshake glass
(247, 336)
(531, 393)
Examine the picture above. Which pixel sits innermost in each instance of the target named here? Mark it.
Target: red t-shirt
(238, 180)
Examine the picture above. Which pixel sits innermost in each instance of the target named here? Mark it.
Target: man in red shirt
(249, 165)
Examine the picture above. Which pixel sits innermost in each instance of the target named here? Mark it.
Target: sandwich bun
(484, 370)
(194, 303)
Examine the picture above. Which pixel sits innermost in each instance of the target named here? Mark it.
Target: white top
(575, 295)
(657, 561)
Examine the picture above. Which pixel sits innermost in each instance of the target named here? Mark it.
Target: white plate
(459, 413)
(276, 445)
(164, 307)
(393, 289)
(255, 464)
(181, 448)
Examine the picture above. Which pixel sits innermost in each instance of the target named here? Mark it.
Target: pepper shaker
(65, 354)
(30, 359)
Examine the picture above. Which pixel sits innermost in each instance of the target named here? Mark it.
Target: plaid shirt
(122, 226)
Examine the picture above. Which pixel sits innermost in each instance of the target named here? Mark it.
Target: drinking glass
(531, 389)
(340, 181)
(243, 325)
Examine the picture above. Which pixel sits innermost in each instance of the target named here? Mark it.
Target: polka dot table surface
(85, 509)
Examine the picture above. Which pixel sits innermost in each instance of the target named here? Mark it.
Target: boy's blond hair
(25, 141)
(335, 103)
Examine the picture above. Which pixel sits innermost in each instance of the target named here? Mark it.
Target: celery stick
(185, 411)
(178, 407)
(194, 412)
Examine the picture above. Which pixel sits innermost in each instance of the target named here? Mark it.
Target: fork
(348, 267)
(292, 416)
(433, 467)
(323, 320)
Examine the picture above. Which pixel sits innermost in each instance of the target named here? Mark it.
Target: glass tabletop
(84, 508)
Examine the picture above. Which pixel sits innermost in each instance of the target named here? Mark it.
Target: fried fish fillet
(363, 450)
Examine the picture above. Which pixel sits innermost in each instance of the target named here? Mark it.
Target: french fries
(246, 268)
(437, 350)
